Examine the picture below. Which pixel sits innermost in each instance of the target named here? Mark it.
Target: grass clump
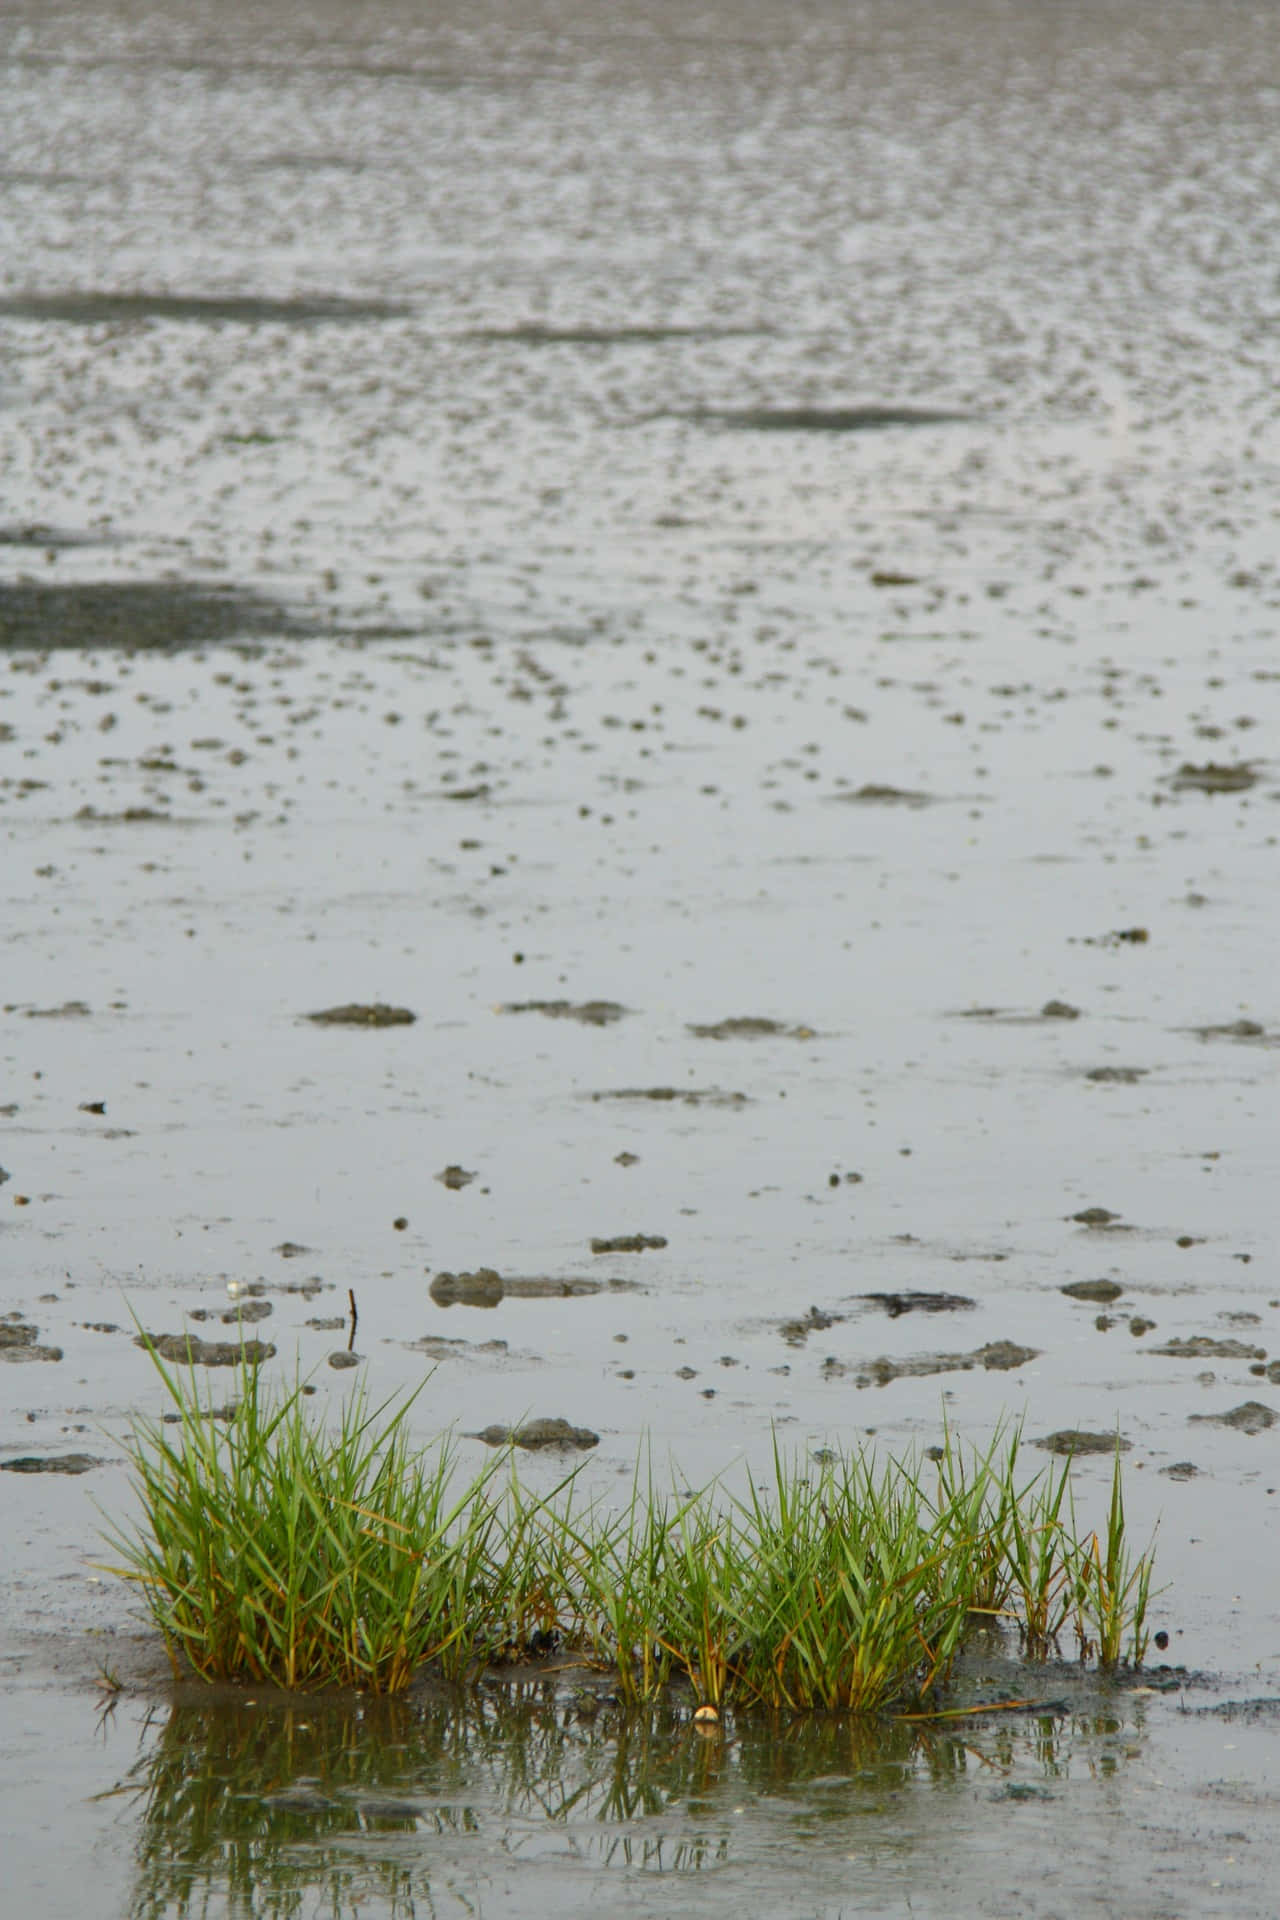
(272, 1550)
(275, 1549)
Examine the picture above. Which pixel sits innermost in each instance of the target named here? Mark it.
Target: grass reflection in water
(417, 1804)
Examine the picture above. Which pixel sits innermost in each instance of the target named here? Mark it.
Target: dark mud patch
(751, 1027)
(1250, 1418)
(1116, 1076)
(1011, 1017)
(533, 333)
(187, 1349)
(157, 616)
(1212, 778)
(357, 1013)
(874, 793)
(670, 1096)
(1100, 1220)
(345, 1357)
(1249, 1032)
(247, 1312)
(874, 418)
(588, 1013)
(549, 1287)
(51, 1463)
(1100, 1292)
(483, 1288)
(895, 1304)
(488, 1288)
(455, 1178)
(1202, 1347)
(1072, 1440)
(628, 1243)
(46, 539)
(553, 1435)
(1181, 1470)
(243, 310)
(998, 1356)
(19, 1342)
(796, 1332)
(439, 1346)
(69, 1010)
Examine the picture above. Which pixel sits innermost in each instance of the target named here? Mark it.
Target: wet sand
(727, 569)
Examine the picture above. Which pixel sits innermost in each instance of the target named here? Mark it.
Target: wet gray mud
(575, 509)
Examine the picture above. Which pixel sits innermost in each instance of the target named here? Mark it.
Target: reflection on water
(261, 1808)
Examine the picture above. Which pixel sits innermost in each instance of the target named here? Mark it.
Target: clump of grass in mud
(274, 1549)
(271, 1549)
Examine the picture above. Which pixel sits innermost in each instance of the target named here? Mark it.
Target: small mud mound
(19, 1342)
(899, 1303)
(1100, 1219)
(362, 1014)
(1251, 1032)
(1071, 1440)
(684, 1096)
(629, 1243)
(1011, 1017)
(51, 1463)
(188, 1350)
(796, 1332)
(550, 1287)
(1212, 778)
(875, 794)
(483, 1288)
(1252, 1417)
(1100, 1292)
(751, 1027)
(589, 1013)
(558, 1436)
(1202, 1347)
(998, 1356)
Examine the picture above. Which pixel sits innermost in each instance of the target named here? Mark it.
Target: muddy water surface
(748, 542)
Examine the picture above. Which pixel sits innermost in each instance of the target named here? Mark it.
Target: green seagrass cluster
(275, 1548)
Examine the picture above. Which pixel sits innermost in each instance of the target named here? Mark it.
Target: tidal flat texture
(748, 538)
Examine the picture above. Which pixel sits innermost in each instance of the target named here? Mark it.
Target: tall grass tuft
(276, 1549)
(1112, 1588)
(272, 1550)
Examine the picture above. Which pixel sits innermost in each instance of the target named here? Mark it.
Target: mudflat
(748, 541)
